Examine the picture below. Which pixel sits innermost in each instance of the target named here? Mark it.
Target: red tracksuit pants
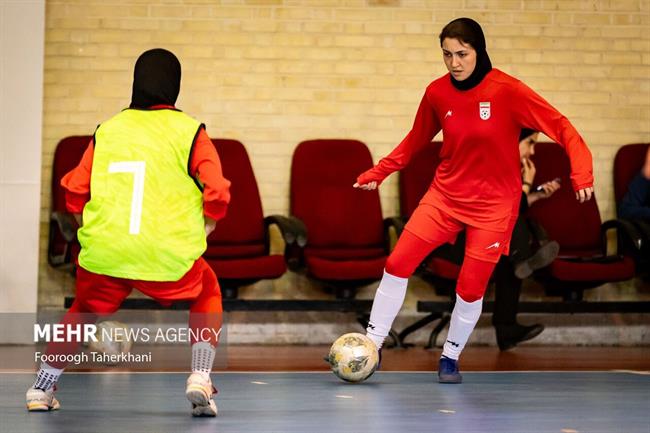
(99, 295)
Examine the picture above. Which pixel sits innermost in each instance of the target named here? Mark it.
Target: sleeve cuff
(215, 210)
(577, 188)
(74, 203)
(368, 177)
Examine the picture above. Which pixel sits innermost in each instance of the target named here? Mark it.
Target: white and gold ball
(353, 357)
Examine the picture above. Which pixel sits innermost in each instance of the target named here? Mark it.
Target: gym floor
(288, 389)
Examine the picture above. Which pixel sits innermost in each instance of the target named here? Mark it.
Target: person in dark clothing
(528, 252)
(636, 202)
(522, 256)
(635, 207)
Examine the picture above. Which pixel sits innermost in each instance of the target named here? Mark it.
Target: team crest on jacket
(484, 110)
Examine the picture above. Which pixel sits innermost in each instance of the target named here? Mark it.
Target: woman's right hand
(528, 170)
(370, 186)
(210, 224)
(549, 188)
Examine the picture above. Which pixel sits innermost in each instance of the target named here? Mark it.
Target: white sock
(388, 301)
(463, 321)
(47, 376)
(202, 358)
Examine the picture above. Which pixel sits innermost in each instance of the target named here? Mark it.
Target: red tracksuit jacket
(478, 180)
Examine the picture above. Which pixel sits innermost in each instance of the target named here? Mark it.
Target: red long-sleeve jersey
(478, 180)
(204, 164)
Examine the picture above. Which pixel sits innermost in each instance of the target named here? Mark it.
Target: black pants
(507, 288)
(520, 241)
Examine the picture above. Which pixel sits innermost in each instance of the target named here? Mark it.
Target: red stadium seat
(63, 247)
(416, 177)
(414, 182)
(238, 249)
(577, 227)
(583, 261)
(348, 243)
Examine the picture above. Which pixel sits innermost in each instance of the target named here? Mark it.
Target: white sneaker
(199, 392)
(41, 401)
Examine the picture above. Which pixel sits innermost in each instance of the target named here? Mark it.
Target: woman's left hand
(585, 194)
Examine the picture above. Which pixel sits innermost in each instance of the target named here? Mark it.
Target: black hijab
(525, 133)
(156, 79)
(469, 32)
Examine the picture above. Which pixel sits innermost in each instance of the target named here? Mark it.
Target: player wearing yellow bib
(151, 189)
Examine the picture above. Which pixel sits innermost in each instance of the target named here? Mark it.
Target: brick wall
(274, 72)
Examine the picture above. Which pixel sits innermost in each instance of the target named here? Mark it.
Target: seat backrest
(67, 155)
(627, 163)
(244, 220)
(415, 178)
(322, 196)
(574, 225)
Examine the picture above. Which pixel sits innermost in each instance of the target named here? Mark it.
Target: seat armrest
(624, 229)
(293, 230)
(396, 222)
(294, 233)
(67, 225)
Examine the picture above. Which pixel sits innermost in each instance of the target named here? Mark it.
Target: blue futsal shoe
(448, 371)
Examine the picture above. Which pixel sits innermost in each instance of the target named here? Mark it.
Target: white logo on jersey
(448, 114)
(494, 245)
(484, 110)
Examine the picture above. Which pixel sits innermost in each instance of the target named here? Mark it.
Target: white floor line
(257, 372)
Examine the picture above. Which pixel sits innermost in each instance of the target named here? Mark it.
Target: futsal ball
(111, 339)
(353, 357)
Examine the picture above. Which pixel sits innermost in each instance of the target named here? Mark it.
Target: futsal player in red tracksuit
(477, 186)
(183, 194)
